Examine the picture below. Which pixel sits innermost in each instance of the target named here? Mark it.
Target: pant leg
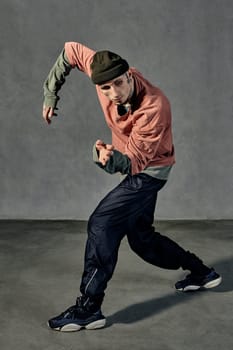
(154, 247)
(108, 224)
(128, 209)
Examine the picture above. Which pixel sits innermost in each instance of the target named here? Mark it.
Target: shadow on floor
(137, 312)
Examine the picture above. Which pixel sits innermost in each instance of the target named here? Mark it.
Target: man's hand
(105, 151)
(48, 113)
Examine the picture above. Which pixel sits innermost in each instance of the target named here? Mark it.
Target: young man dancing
(139, 117)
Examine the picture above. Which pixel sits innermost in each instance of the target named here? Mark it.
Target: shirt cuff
(118, 162)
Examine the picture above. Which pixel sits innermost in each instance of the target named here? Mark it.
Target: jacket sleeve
(151, 136)
(79, 56)
(56, 79)
(143, 146)
(73, 55)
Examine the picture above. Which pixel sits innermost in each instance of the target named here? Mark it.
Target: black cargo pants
(129, 210)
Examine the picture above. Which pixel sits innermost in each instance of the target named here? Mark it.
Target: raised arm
(74, 55)
(53, 83)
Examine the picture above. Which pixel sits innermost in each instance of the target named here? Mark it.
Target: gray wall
(183, 46)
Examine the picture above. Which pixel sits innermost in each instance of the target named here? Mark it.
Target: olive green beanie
(106, 66)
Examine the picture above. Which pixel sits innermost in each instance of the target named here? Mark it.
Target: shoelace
(74, 309)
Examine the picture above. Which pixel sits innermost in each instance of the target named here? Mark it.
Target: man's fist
(105, 151)
(48, 113)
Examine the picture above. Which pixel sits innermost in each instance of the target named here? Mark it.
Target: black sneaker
(78, 316)
(192, 282)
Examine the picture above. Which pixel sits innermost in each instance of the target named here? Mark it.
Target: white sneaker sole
(72, 327)
(208, 285)
(213, 283)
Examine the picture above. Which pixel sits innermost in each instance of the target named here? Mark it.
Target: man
(139, 117)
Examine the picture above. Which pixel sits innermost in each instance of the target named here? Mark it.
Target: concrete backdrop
(183, 46)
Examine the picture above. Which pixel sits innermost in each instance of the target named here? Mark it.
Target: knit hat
(106, 66)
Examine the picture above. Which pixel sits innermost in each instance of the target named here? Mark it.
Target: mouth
(118, 101)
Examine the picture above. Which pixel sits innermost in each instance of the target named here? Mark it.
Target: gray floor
(40, 267)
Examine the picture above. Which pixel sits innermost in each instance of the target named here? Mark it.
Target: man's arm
(73, 55)
(151, 135)
(112, 161)
(53, 84)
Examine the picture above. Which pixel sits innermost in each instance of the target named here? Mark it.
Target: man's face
(118, 90)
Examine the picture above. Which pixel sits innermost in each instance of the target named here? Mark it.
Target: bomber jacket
(142, 138)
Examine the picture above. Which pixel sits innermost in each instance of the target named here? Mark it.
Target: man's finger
(110, 147)
(100, 143)
(47, 119)
(51, 112)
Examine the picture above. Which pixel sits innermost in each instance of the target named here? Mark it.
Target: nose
(114, 91)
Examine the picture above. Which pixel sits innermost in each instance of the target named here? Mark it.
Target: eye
(118, 82)
(105, 87)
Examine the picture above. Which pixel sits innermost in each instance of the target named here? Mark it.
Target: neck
(128, 101)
